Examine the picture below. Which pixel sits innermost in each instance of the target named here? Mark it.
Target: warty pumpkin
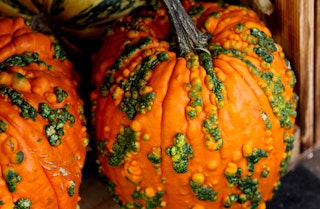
(43, 135)
(212, 127)
(74, 21)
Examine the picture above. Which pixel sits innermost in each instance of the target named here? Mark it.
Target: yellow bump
(261, 83)
(270, 148)
(198, 178)
(149, 53)
(84, 129)
(214, 182)
(5, 78)
(198, 109)
(85, 142)
(133, 34)
(3, 136)
(121, 130)
(237, 45)
(50, 97)
(119, 78)
(106, 129)
(145, 90)
(198, 207)
(265, 64)
(132, 171)
(137, 144)
(284, 155)
(227, 45)
(150, 192)
(212, 109)
(126, 72)
(189, 108)
(234, 37)
(117, 93)
(208, 83)
(146, 137)
(135, 126)
(247, 149)
(262, 205)
(194, 77)
(163, 204)
(37, 90)
(213, 145)
(282, 55)
(20, 83)
(231, 169)
(230, 185)
(147, 75)
(227, 201)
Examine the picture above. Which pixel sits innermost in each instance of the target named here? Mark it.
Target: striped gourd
(71, 19)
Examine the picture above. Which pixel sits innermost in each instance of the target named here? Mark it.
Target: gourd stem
(42, 23)
(188, 37)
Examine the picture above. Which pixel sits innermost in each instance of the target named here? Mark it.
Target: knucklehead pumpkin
(43, 134)
(211, 127)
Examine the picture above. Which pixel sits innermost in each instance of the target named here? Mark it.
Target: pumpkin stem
(188, 37)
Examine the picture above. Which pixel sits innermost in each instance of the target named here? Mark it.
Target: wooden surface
(304, 62)
(297, 35)
(317, 72)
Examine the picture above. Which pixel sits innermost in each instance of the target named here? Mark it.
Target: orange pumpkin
(43, 135)
(206, 130)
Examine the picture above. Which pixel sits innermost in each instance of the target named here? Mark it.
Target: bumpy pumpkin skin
(182, 133)
(43, 135)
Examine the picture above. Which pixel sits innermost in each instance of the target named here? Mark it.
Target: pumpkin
(43, 135)
(73, 21)
(209, 127)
